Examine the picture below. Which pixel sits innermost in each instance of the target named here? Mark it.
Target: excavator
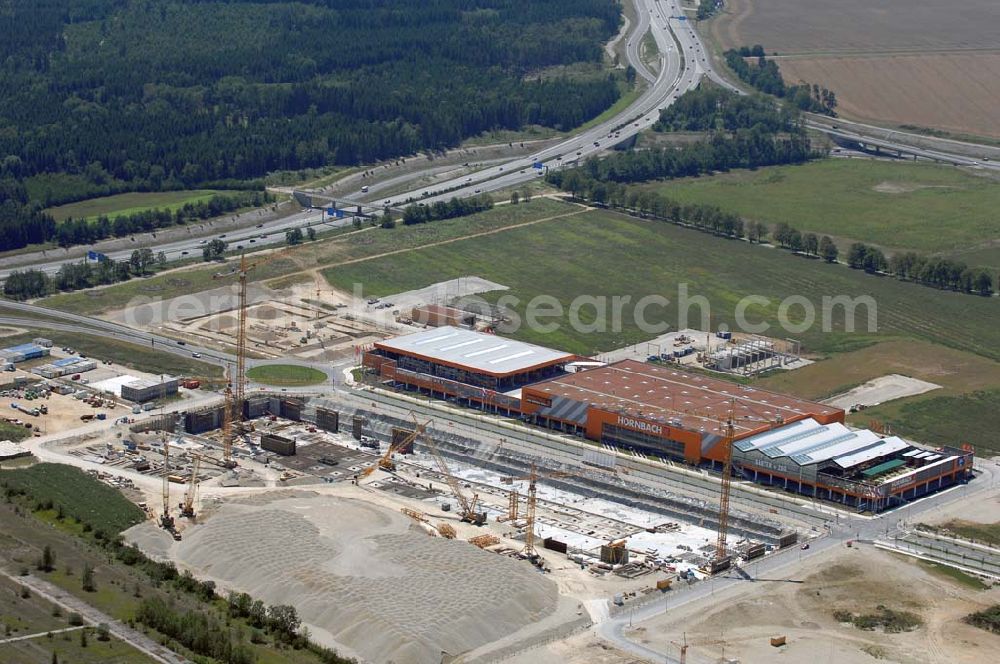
(385, 462)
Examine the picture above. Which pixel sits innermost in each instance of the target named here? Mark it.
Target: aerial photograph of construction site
(478, 331)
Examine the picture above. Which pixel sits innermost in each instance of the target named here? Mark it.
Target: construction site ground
(304, 319)
(740, 622)
(365, 578)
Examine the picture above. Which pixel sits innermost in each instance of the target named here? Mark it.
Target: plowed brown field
(853, 26)
(902, 62)
(956, 92)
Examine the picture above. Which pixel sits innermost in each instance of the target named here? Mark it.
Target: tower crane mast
(532, 502)
(233, 424)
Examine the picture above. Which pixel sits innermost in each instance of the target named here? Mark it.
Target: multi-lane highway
(684, 63)
(677, 75)
(266, 233)
(21, 314)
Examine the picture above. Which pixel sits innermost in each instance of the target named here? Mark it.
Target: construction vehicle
(166, 521)
(467, 506)
(385, 462)
(187, 507)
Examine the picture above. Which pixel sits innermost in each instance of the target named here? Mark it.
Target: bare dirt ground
(880, 390)
(856, 580)
(912, 62)
(579, 649)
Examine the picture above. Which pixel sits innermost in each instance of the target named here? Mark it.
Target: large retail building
(669, 415)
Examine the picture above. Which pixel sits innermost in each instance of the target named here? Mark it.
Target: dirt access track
(900, 62)
(740, 621)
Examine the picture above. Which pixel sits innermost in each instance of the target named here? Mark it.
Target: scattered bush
(888, 620)
(988, 619)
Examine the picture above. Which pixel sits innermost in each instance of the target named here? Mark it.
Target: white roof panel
(854, 443)
(781, 434)
(887, 446)
(476, 351)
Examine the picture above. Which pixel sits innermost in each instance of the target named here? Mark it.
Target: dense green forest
(104, 96)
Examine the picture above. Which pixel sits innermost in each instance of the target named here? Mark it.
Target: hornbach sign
(639, 425)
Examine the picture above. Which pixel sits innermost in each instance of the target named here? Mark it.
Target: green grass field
(13, 432)
(932, 419)
(310, 255)
(958, 576)
(130, 203)
(286, 375)
(900, 205)
(81, 496)
(603, 253)
(67, 648)
(988, 533)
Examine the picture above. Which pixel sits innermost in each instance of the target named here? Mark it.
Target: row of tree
(85, 231)
(199, 632)
(809, 244)
(421, 213)
(707, 8)
(764, 75)
(23, 223)
(31, 283)
(934, 271)
(281, 619)
(931, 271)
(745, 148)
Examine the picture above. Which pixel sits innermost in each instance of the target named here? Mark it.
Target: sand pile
(363, 576)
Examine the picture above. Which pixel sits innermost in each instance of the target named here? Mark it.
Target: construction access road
(94, 616)
(785, 563)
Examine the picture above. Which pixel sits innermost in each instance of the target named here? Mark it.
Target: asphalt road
(681, 71)
(265, 234)
(783, 564)
(21, 314)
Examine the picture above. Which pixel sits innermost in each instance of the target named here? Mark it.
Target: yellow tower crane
(532, 503)
(385, 462)
(728, 437)
(467, 506)
(233, 424)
